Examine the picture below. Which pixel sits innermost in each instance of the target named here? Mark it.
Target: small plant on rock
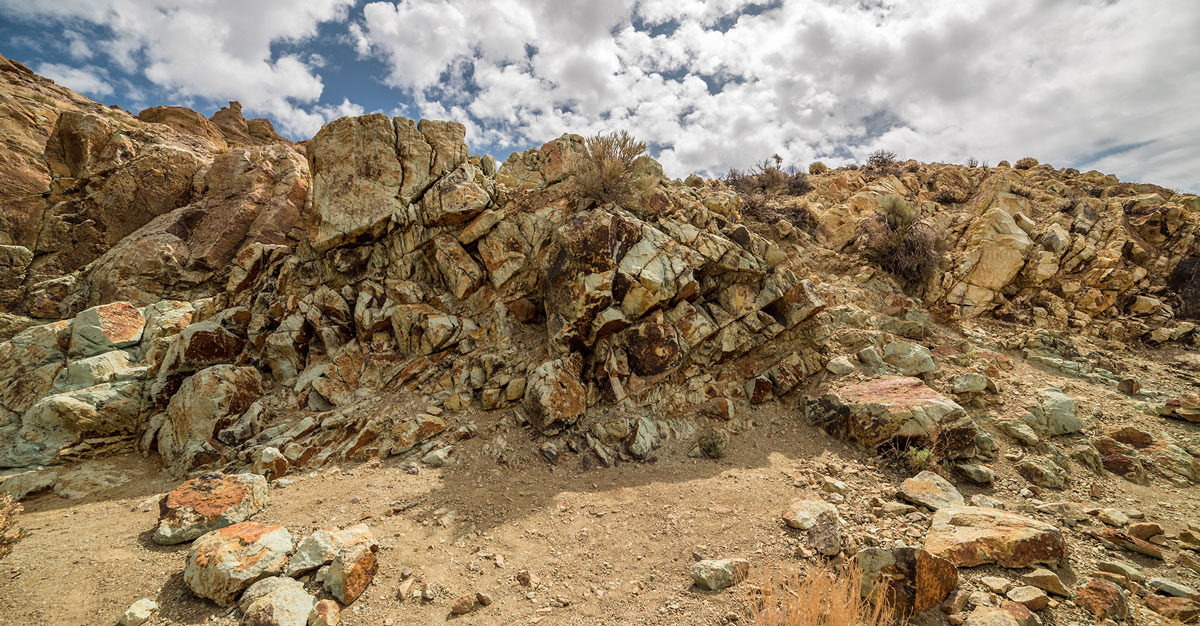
(820, 596)
(896, 241)
(604, 173)
(817, 167)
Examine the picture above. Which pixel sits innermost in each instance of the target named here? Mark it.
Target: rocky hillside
(210, 296)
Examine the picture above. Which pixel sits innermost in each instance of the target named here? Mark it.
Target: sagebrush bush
(821, 596)
(604, 172)
(817, 167)
(1026, 163)
(881, 159)
(895, 241)
(10, 533)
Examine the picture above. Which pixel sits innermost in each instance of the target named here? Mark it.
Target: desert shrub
(972, 162)
(918, 460)
(9, 531)
(948, 194)
(895, 241)
(821, 596)
(797, 184)
(817, 167)
(604, 172)
(881, 159)
(1026, 163)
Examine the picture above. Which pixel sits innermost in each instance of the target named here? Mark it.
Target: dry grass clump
(895, 241)
(817, 167)
(9, 531)
(763, 186)
(1026, 163)
(604, 173)
(820, 596)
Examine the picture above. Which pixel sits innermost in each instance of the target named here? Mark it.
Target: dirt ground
(603, 545)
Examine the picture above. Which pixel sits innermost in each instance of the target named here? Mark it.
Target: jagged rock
(1122, 540)
(1033, 598)
(138, 613)
(276, 601)
(206, 403)
(322, 546)
(715, 575)
(892, 409)
(462, 604)
(554, 396)
(206, 503)
(994, 253)
(970, 383)
(970, 536)
(1184, 610)
(912, 578)
(1055, 414)
(1102, 599)
(1172, 588)
(270, 463)
(930, 490)
(1122, 568)
(351, 571)
(1046, 580)
(56, 422)
(223, 562)
(1043, 472)
(325, 613)
(185, 121)
(909, 358)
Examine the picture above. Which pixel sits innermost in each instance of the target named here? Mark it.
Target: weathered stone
(991, 616)
(322, 546)
(351, 571)
(104, 328)
(1033, 598)
(1048, 581)
(1182, 609)
(1173, 588)
(970, 536)
(223, 562)
(462, 604)
(909, 358)
(930, 490)
(803, 514)
(1042, 471)
(720, 574)
(138, 613)
(889, 410)
(1122, 568)
(206, 503)
(207, 402)
(1124, 541)
(554, 396)
(1102, 599)
(277, 601)
(913, 579)
(325, 613)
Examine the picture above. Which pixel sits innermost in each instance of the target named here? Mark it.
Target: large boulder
(276, 601)
(893, 410)
(994, 255)
(207, 402)
(58, 421)
(968, 536)
(208, 502)
(911, 578)
(224, 562)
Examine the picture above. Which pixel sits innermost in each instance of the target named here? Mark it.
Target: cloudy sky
(1112, 85)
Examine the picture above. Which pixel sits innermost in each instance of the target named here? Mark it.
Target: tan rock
(223, 562)
(970, 536)
(352, 571)
(206, 503)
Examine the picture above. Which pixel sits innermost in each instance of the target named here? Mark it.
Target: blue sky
(709, 84)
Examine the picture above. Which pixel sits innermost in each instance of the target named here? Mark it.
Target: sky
(1112, 85)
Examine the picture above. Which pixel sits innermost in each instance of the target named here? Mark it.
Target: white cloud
(212, 50)
(88, 80)
(721, 83)
(77, 46)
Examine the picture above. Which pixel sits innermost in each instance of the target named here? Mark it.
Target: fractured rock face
(105, 328)
(322, 546)
(911, 578)
(351, 571)
(207, 402)
(206, 503)
(554, 396)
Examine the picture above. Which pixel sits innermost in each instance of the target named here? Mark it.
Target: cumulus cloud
(88, 80)
(715, 84)
(214, 50)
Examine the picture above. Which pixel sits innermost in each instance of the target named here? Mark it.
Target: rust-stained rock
(969, 536)
(207, 402)
(322, 546)
(208, 502)
(223, 562)
(892, 410)
(1183, 609)
(1123, 540)
(1102, 599)
(554, 396)
(911, 578)
(351, 571)
(104, 328)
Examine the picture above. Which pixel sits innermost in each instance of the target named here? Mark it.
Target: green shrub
(603, 174)
(895, 241)
(817, 167)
